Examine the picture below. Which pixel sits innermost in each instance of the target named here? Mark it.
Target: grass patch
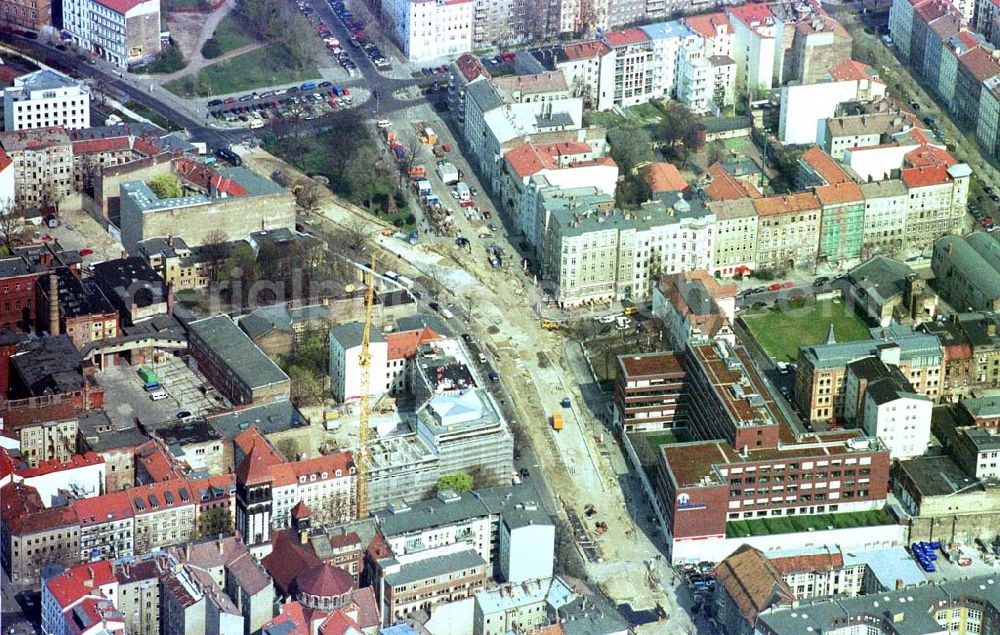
(773, 525)
(265, 66)
(170, 60)
(646, 112)
(186, 4)
(152, 115)
(656, 439)
(312, 154)
(231, 34)
(782, 330)
(606, 119)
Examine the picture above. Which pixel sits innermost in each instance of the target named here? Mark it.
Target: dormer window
(325, 475)
(302, 479)
(339, 472)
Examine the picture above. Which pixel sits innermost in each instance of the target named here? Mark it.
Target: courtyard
(781, 330)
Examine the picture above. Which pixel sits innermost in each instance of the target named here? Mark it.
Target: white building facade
(902, 421)
(121, 31)
(45, 99)
(345, 370)
(433, 29)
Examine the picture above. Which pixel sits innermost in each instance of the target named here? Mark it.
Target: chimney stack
(53, 304)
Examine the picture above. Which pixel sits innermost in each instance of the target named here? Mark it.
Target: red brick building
(750, 462)
(649, 392)
(17, 294)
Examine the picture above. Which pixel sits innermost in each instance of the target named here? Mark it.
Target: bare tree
(308, 194)
(11, 225)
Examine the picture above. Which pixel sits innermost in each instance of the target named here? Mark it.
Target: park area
(783, 329)
(813, 522)
(259, 68)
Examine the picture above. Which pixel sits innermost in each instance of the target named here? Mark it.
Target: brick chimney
(53, 304)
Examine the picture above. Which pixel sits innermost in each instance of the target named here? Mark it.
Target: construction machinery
(551, 325)
(364, 362)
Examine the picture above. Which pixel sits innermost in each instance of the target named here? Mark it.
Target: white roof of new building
(453, 410)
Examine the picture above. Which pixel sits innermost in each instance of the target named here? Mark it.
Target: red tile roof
(836, 193)
(120, 6)
(18, 500)
(289, 473)
(720, 185)
(751, 13)
(626, 37)
(103, 509)
(300, 511)
(586, 50)
(80, 581)
(706, 24)
(224, 482)
(665, 177)
(404, 344)
(338, 623)
(6, 464)
(824, 166)
(925, 176)
(288, 558)
(852, 70)
(324, 580)
(53, 466)
(470, 67)
(529, 158)
(157, 462)
(927, 155)
(980, 63)
(107, 144)
(786, 204)
(157, 497)
(807, 563)
(752, 582)
(253, 469)
(5, 160)
(290, 613)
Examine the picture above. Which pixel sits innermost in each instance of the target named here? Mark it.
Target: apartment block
(748, 463)
(43, 166)
(695, 308)
(123, 32)
(966, 269)
(33, 15)
(46, 99)
(820, 380)
(432, 29)
(32, 535)
(649, 392)
(634, 66)
(788, 230)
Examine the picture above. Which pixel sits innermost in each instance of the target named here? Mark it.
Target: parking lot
(123, 390)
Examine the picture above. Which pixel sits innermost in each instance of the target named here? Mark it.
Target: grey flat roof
(887, 276)
(349, 335)
(938, 476)
(237, 351)
(436, 566)
(888, 565)
(435, 512)
(267, 418)
(909, 610)
(483, 93)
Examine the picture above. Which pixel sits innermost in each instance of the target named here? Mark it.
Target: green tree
(629, 147)
(460, 481)
(261, 16)
(311, 354)
(211, 49)
(215, 521)
(717, 152)
(307, 385)
(165, 186)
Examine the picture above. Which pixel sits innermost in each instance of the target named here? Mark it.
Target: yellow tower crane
(364, 361)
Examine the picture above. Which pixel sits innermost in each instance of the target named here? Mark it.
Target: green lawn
(783, 330)
(258, 68)
(646, 112)
(656, 439)
(816, 522)
(158, 119)
(231, 34)
(186, 4)
(608, 119)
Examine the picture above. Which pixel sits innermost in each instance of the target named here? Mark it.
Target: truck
(426, 133)
(399, 151)
(147, 376)
(417, 172)
(463, 191)
(423, 187)
(447, 172)
(557, 421)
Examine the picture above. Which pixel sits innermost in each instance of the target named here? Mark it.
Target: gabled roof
(845, 192)
(852, 70)
(626, 37)
(665, 177)
(720, 185)
(925, 176)
(787, 203)
(585, 50)
(706, 24)
(120, 6)
(980, 63)
(752, 582)
(253, 469)
(926, 155)
(824, 166)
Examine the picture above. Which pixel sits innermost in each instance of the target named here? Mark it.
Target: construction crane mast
(364, 362)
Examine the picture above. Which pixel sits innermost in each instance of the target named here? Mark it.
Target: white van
(446, 313)
(158, 395)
